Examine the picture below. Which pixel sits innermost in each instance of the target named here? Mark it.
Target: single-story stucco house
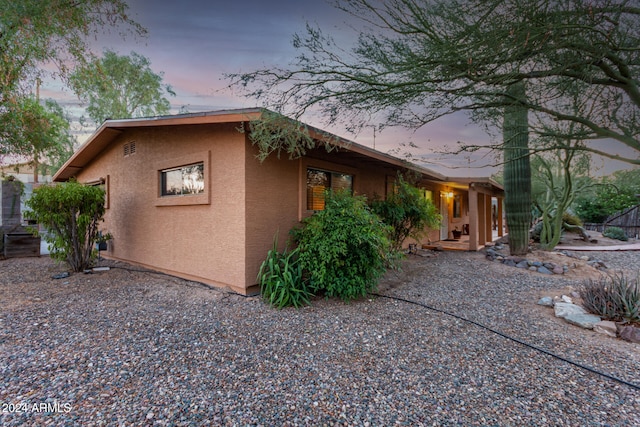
(186, 194)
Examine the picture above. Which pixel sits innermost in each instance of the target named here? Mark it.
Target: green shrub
(615, 233)
(591, 210)
(70, 213)
(280, 279)
(408, 213)
(343, 248)
(614, 298)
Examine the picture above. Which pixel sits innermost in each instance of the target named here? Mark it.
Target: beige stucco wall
(272, 199)
(205, 242)
(276, 196)
(222, 236)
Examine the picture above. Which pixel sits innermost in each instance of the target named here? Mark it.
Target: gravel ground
(134, 348)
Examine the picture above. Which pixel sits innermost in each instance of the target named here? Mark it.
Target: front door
(444, 211)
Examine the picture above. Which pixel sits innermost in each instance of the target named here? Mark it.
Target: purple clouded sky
(195, 42)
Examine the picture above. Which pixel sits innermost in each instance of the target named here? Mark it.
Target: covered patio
(472, 214)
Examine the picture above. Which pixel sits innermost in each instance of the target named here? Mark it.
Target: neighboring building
(24, 172)
(186, 194)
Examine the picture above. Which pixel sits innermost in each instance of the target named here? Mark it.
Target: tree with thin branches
(417, 60)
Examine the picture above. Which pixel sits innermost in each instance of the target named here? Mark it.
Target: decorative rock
(546, 301)
(544, 270)
(425, 253)
(548, 268)
(606, 327)
(630, 333)
(566, 299)
(564, 309)
(597, 264)
(585, 321)
(509, 262)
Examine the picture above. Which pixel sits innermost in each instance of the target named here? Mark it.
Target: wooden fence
(628, 220)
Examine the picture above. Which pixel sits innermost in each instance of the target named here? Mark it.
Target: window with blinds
(319, 181)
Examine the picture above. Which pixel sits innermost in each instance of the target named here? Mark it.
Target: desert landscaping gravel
(131, 348)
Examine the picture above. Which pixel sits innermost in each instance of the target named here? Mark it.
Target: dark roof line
(110, 128)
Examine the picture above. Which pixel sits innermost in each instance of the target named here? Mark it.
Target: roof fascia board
(110, 129)
(230, 116)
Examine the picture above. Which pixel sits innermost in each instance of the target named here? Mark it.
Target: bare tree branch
(417, 60)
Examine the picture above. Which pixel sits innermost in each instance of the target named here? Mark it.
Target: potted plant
(456, 233)
(102, 240)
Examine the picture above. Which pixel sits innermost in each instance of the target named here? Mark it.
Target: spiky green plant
(614, 297)
(280, 279)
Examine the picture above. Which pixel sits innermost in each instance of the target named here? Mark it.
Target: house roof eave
(94, 145)
(477, 182)
(111, 129)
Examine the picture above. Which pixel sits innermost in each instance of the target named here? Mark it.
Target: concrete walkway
(628, 247)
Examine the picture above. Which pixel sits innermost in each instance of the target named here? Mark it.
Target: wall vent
(129, 148)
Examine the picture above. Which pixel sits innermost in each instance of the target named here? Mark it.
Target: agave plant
(613, 297)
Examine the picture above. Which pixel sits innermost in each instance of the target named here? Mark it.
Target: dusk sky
(195, 42)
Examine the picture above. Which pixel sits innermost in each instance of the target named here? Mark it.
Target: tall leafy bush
(408, 213)
(609, 195)
(343, 248)
(70, 213)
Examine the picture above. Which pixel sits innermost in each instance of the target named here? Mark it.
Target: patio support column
(488, 219)
(482, 220)
(473, 218)
(500, 224)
